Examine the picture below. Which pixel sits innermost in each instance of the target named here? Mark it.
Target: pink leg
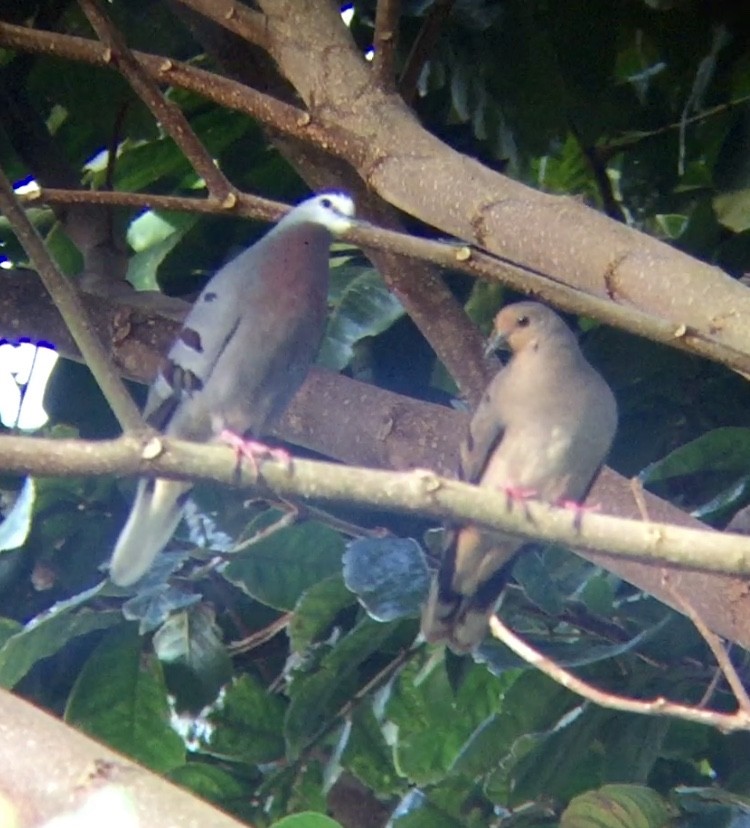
(578, 509)
(253, 451)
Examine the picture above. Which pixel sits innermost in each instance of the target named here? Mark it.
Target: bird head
(332, 210)
(523, 325)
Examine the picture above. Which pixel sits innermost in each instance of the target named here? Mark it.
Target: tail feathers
(461, 620)
(466, 591)
(152, 521)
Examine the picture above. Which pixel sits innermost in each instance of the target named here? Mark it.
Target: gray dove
(243, 352)
(542, 429)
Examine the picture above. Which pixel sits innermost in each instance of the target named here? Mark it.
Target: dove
(542, 429)
(243, 352)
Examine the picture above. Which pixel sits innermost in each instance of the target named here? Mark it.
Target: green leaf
(43, 637)
(190, 642)
(420, 710)
(388, 575)
(247, 724)
(307, 819)
(416, 810)
(317, 697)
(368, 756)
(210, 782)
(733, 210)
(365, 308)
(721, 450)
(316, 611)
(153, 235)
(618, 806)
(120, 698)
(280, 567)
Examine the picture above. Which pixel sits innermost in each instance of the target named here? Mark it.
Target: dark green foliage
(641, 109)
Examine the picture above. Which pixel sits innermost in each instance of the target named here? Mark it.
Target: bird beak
(497, 342)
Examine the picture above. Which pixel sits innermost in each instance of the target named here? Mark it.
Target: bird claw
(578, 509)
(515, 493)
(253, 450)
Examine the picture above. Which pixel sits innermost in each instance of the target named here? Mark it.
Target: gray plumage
(543, 428)
(243, 352)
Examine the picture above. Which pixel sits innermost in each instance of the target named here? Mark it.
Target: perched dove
(243, 352)
(542, 429)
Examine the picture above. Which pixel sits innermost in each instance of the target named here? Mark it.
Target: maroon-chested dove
(243, 352)
(542, 429)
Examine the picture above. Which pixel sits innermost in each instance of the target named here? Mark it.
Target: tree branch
(385, 43)
(248, 24)
(72, 310)
(452, 256)
(423, 47)
(49, 768)
(267, 110)
(707, 324)
(419, 492)
(364, 425)
(166, 113)
(726, 722)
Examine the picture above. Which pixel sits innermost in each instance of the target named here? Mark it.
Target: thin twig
(250, 25)
(716, 646)
(167, 114)
(290, 120)
(423, 47)
(463, 258)
(727, 722)
(346, 710)
(636, 487)
(252, 642)
(385, 43)
(71, 309)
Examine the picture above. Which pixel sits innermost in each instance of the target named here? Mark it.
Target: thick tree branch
(420, 175)
(705, 324)
(419, 492)
(363, 425)
(545, 234)
(50, 769)
(71, 308)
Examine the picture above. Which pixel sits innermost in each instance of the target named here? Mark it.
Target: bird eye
(523, 321)
(326, 202)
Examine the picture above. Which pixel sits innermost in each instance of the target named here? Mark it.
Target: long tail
(152, 521)
(466, 589)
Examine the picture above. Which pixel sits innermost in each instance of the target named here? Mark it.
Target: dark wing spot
(192, 339)
(209, 297)
(180, 380)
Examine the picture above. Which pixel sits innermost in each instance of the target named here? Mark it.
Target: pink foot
(253, 451)
(519, 492)
(514, 493)
(578, 509)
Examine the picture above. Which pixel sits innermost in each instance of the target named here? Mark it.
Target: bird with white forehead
(542, 429)
(243, 352)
